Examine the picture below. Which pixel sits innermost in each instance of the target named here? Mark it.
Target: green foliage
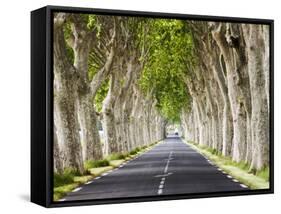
(92, 22)
(95, 163)
(67, 33)
(144, 147)
(116, 156)
(263, 173)
(66, 177)
(170, 55)
(61, 191)
(135, 151)
(100, 96)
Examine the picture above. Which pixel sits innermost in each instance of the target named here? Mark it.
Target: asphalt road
(171, 167)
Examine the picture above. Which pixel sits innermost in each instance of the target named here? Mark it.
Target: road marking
(169, 159)
(97, 178)
(160, 191)
(168, 162)
(235, 180)
(244, 186)
(228, 176)
(89, 182)
(219, 169)
(164, 175)
(162, 182)
(104, 174)
(77, 189)
(223, 172)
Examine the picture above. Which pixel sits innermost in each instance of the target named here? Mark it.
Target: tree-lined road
(171, 167)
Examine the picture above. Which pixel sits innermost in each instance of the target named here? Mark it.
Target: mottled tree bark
(235, 63)
(65, 97)
(108, 116)
(58, 156)
(82, 42)
(257, 45)
(234, 96)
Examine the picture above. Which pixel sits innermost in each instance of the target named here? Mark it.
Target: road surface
(171, 167)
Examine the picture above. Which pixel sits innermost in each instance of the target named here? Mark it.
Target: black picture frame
(42, 105)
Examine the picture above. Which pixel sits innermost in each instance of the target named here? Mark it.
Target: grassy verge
(99, 170)
(116, 163)
(60, 190)
(70, 179)
(240, 171)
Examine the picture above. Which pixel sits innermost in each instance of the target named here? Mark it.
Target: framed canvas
(130, 106)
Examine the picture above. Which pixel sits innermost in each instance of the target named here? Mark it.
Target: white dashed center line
(77, 189)
(244, 186)
(162, 182)
(168, 162)
(234, 180)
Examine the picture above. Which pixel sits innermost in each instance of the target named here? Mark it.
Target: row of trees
(229, 86)
(135, 75)
(98, 61)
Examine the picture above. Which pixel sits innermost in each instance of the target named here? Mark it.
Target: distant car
(176, 133)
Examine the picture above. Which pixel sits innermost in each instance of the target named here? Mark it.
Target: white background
(15, 105)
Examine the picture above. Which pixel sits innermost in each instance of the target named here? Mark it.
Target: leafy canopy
(163, 75)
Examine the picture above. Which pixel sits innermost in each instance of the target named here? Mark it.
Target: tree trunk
(92, 149)
(91, 145)
(235, 66)
(58, 156)
(65, 97)
(258, 56)
(108, 117)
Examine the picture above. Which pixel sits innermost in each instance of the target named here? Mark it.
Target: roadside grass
(240, 171)
(60, 192)
(65, 178)
(95, 163)
(116, 156)
(99, 170)
(72, 182)
(71, 179)
(116, 163)
(135, 151)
